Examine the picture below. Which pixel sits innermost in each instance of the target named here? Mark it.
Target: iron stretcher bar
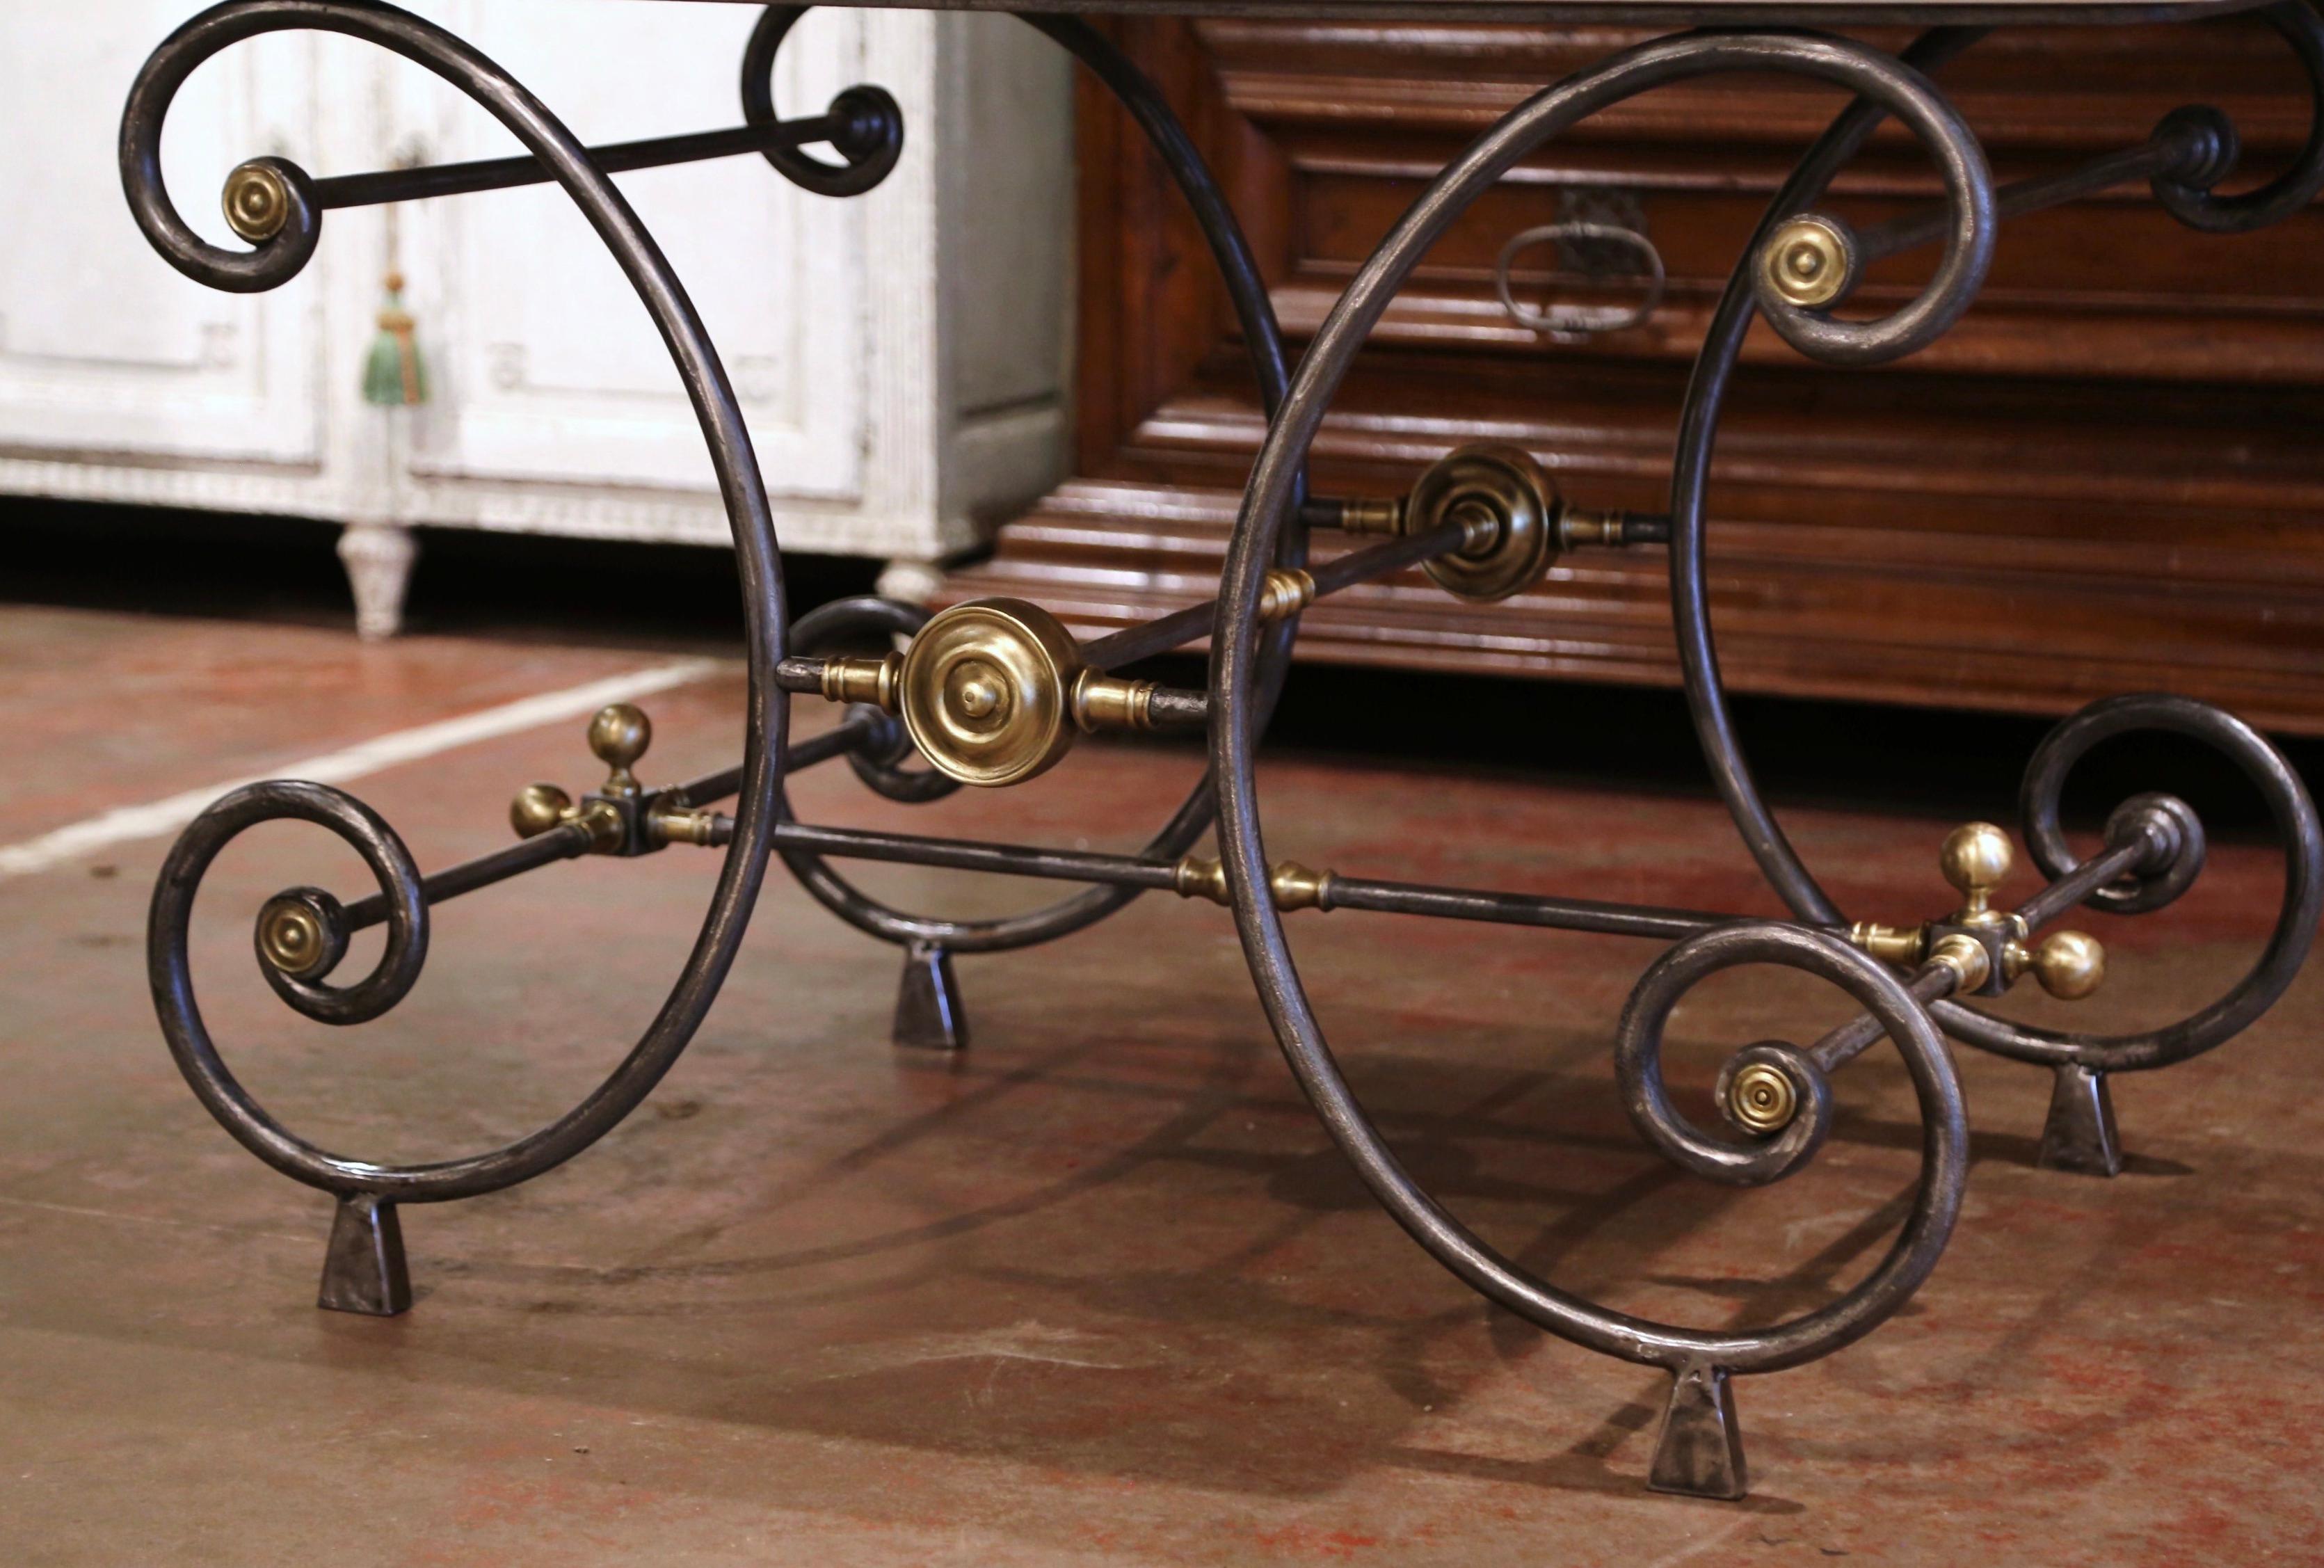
(1342, 893)
(386, 185)
(2162, 153)
(1132, 643)
(849, 733)
(570, 840)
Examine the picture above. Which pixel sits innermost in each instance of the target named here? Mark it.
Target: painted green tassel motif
(392, 375)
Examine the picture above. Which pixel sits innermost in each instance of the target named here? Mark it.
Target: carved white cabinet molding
(900, 355)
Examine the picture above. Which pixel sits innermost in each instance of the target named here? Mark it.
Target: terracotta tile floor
(1100, 1290)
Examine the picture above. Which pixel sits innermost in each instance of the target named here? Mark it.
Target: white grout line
(372, 756)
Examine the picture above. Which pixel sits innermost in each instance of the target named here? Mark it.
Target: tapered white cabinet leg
(913, 582)
(378, 557)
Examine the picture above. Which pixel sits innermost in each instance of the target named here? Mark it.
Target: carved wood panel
(2106, 479)
(129, 361)
(551, 373)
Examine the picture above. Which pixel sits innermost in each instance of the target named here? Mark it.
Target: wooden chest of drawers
(2109, 477)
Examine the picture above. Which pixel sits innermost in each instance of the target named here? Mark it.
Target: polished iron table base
(993, 692)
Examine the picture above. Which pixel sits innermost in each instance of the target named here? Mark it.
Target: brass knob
(620, 736)
(291, 936)
(981, 696)
(2070, 964)
(1975, 859)
(1509, 509)
(986, 690)
(1809, 262)
(537, 808)
(302, 933)
(1762, 1098)
(257, 201)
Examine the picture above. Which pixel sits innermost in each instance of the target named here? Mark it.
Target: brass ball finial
(1809, 262)
(537, 808)
(1762, 1098)
(2070, 964)
(257, 201)
(1975, 859)
(620, 736)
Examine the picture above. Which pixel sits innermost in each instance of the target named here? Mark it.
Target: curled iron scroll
(2287, 946)
(2198, 206)
(874, 142)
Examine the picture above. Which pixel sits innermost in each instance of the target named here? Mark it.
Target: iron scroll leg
(1701, 1453)
(366, 1269)
(929, 1012)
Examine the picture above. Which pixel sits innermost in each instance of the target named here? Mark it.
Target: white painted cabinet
(899, 356)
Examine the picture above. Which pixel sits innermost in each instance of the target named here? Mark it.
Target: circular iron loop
(1263, 338)
(2199, 208)
(870, 154)
(834, 625)
(390, 980)
(744, 495)
(1714, 368)
(1580, 321)
(2279, 962)
(1234, 651)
